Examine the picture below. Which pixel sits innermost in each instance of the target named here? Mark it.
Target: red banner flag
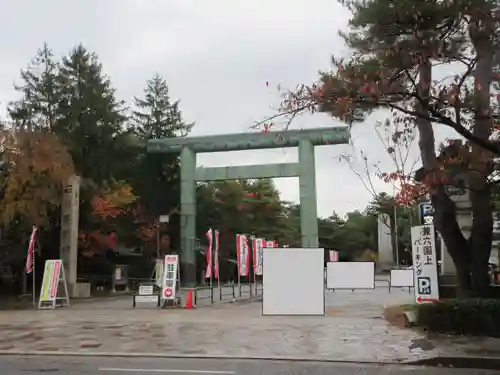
(30, 257)
(208, 255)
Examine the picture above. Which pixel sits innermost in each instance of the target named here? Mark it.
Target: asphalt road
(16, 365)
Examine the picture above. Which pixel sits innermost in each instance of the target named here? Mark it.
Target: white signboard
(424, 264)
(401, 278)
(350, 275)
(171, 273)
(293, 283)
(146, 299)
(145, 290)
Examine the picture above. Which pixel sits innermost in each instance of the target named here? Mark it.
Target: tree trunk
(480, 240)
(445, 220)
(445, 212)
(481, 29)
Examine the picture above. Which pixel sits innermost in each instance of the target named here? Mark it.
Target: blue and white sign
(426, 213)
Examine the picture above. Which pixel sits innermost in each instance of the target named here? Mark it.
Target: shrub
(478, 317)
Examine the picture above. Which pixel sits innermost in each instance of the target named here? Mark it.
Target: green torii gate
(304, 169)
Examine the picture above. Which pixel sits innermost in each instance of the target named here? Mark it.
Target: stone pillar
(384, 239)
(307, 191)
(188, 217)
(69, 230)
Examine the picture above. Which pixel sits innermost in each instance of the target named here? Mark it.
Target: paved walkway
(352, 330)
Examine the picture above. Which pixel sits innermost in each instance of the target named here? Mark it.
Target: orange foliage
(113, 201)
(37, 166)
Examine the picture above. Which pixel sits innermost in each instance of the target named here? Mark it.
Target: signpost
(424, 264)
(53, 276)
(171, 278)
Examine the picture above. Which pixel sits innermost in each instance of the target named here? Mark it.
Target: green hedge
(478, 317)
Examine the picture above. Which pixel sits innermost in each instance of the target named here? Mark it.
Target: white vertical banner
(258, 256)
(171, 273)
(424, 264)
(243, 254)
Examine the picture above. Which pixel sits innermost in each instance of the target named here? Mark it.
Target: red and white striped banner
(208, 254)
(30, 257)
(270, 243)
(243, 254)
(55, 279)
(334, 256)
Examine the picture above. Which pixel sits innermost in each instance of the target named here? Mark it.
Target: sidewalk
(224, 330)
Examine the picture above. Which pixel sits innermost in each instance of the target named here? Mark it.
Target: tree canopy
(396, 49)
(67, 120)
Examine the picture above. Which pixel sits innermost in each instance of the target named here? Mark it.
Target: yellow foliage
(118, 193)
(368, 256)
(37, 165)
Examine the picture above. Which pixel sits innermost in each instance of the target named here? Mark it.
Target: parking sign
(426, 213)
(424, 263)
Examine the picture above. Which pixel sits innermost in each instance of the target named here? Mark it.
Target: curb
(236, 301)
(465, 362)
(63, 353)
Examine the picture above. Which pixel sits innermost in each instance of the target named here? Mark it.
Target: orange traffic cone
(189, 300)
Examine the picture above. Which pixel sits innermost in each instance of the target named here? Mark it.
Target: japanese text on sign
(424, 263)
(170, 276)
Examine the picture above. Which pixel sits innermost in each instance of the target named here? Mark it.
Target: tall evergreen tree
(91, 118)
(157, 116)
(37, 107)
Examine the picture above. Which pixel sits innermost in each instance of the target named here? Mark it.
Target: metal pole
(158, 237)
(239, 280)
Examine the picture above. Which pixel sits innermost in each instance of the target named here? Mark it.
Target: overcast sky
(216, 57)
